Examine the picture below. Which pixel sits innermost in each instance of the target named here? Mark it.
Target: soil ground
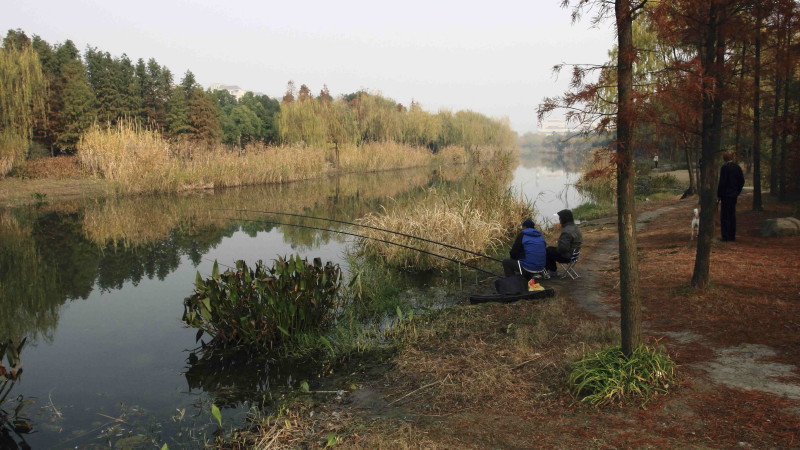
(493, 375)
(49, 179)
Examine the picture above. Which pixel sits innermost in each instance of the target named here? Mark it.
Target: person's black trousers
(552, 257)
(727, 218)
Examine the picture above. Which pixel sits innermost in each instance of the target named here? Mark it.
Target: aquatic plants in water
(261, 307)
(11, 423)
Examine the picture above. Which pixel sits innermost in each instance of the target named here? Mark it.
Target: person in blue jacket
(529, 249)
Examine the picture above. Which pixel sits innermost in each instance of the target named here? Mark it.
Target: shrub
(261, 307)
(609, 377)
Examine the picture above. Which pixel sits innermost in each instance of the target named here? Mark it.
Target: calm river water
(98, 288)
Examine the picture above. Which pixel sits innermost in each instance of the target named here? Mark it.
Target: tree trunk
(712, 60)
(757, 205)
(778, 88)
(630, 321)
(739, 103)
(773, 162)
(689, 163)
(784, 138)
(788, 78)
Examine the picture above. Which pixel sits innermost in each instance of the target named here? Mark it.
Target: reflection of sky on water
(551, 190)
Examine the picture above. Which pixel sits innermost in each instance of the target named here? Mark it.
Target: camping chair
(569, 268)
(542, 274)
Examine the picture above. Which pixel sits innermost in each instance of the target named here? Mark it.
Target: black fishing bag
(510, 285)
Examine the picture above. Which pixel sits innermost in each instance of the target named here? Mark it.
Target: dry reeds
(375, 156)
(452, 222)
(138, 159)
(135, 157)
(466, 219)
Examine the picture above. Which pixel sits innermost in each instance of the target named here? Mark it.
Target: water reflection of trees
(566, 151)
(233, 378)
(50, 256)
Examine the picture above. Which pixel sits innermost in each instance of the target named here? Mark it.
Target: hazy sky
(493, 57)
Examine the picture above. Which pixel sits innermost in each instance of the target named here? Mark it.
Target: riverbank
(493, 375)
(68, 178)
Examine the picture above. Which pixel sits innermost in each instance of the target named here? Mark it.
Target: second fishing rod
(461, 263)
(410, 236)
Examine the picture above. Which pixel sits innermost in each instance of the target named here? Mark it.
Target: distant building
(554, 126)
(236, 91)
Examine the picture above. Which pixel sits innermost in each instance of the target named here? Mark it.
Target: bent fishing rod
(273, 222)
(303, 216)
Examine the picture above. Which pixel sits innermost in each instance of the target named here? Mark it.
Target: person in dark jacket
(569, 241)
(731, 181)
(528, 249)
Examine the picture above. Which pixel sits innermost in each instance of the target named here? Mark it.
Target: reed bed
(376, 156)
(258, 164)
(479, 220)
(450, 221)
(138, 160)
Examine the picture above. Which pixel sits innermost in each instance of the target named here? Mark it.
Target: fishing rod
(371, 238)
(278, 213)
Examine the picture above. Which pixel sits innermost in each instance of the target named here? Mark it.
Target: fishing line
(371, 238)
(278, 213)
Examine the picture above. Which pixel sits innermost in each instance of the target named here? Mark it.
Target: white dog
(695, 224)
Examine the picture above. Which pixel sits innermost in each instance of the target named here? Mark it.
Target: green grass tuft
(608, 377)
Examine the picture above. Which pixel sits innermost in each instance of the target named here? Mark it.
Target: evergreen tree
(177, 114)
(78, 110)
(162, 91)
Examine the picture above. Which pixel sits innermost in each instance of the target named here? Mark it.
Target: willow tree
(22, 99)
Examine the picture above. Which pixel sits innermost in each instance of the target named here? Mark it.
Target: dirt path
(745, 366)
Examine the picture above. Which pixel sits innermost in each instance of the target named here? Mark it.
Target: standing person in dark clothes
(570, 240)
(731, 181)
(528, 249)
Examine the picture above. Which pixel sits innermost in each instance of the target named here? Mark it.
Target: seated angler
(528, 250)
(569, 241)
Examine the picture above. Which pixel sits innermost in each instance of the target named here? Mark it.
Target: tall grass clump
(137, 158)
(377, 156)
(257, 164)
(260, 307)
(440, 218)
(478, 218)
(609, 377)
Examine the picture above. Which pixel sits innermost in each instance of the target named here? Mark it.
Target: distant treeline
(54, 98)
